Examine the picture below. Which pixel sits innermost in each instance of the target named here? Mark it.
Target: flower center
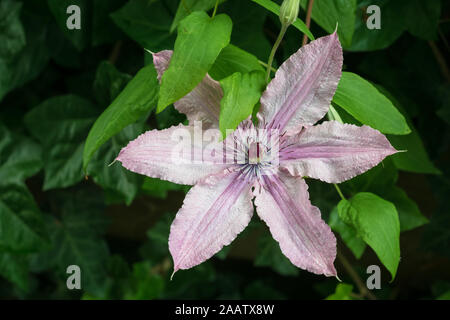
(255, 149)
(254, 153)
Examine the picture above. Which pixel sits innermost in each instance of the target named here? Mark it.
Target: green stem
(339, 191)
(274, 50)
(265, 65)
(215, 9)
(334, 115)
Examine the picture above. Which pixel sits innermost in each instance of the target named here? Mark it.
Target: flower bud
(289, 12)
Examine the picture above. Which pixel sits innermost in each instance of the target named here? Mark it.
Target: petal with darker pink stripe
(334, 152)
(283, 203)
(214, 212)
(174, 154)
(301, 92)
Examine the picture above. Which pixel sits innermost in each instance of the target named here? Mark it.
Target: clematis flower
(219, 205)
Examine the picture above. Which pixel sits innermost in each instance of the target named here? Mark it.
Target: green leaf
(376, 222)
(364, 102)
(222, 254)
(78, 247)
(330, 14)
(269, 255)
(436, 236)
(376, 180)
(170, 117)
(135, 101)
(408, 211)
(249, 27)
(79, 37)
(145, 285)
(422, 18)
(348, 234)
(232, 59)
(392, 26)
(275, 8)
(123, 185)
(116, 282)
(444, 96)
(187, 6)
(415, 159)
(196, 283)
(159, 233)
(381, 181)
(156, 248)
(61, 49)
(444, 296)
(76, 240)
(103, 28)
(61, 125)
(21, 226)
(77, 204)
(12, 34)
(146, 22)
(160, 188)
(32, 59)
(200, 40)
(20, 158)
(260, 290)
(444, 113)
(343, 292)
(109, 82)
(14, 267)
(241, 92)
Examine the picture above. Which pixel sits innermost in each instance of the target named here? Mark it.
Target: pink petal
(283, 203)
(213, 213)
(334, 152)
(159, 154)
(161, 61)
(301, 92)
(202, 103)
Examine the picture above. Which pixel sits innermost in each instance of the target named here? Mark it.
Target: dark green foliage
(70, 100)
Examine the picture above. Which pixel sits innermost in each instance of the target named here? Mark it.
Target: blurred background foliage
(114, 224)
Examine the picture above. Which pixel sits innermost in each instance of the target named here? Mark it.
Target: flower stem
(308, 20)
(440, 60)
(334, 115)
(355, 277)
(339, 191)
(215, 9)
(115, 52)
(274, 50)
(265, 65)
